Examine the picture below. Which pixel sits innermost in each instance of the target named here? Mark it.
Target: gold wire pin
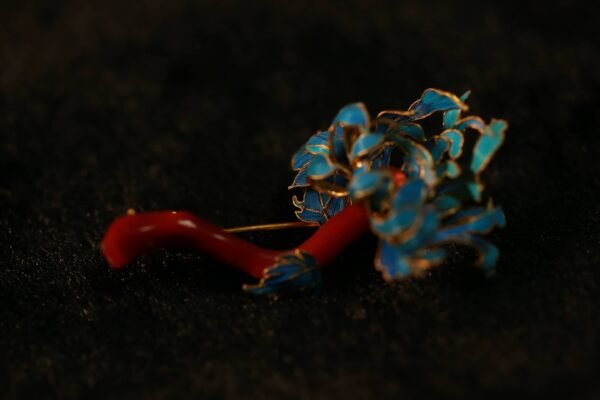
(272, 227)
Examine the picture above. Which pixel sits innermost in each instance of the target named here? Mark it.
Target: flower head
(421, 190)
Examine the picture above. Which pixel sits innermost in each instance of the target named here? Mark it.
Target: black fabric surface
(199, 106)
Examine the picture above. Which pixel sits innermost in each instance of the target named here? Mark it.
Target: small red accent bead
(398, 177)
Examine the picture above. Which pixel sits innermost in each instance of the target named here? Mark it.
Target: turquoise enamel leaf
(433, 100)
(406, 209)
(396, 223)
(488, 253)
(364, 184)
(391, 262)
(353, 114)
(318, 143)
(335, 205)
(301, 158)
(301, 179)
(383, 160)
(397, 260)
(366, 144)
(409, 129)
(488, 143)
(318, 207)
(456, 140)
(450, 118)
(337, 148)
(448, 169)
(446, 205)
(423, 235)
(293, 272)
(411, 194)
(418, 162)
(320, 167)
(470, 122)
(437, 146)
(465, 96)
(476, 220)
(310, 207)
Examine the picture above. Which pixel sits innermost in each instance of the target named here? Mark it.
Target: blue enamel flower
(440, 202)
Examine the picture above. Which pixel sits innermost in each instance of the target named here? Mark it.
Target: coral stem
(131, 236)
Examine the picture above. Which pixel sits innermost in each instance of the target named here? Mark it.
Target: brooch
(416, 191)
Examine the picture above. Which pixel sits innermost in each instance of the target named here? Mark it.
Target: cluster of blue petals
(441, 200)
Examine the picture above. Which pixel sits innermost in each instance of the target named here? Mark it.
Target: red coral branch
(131, 236)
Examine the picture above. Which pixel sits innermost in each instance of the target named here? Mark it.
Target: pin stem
(271, 227)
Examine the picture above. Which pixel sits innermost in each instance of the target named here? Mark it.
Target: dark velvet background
(199, 106)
